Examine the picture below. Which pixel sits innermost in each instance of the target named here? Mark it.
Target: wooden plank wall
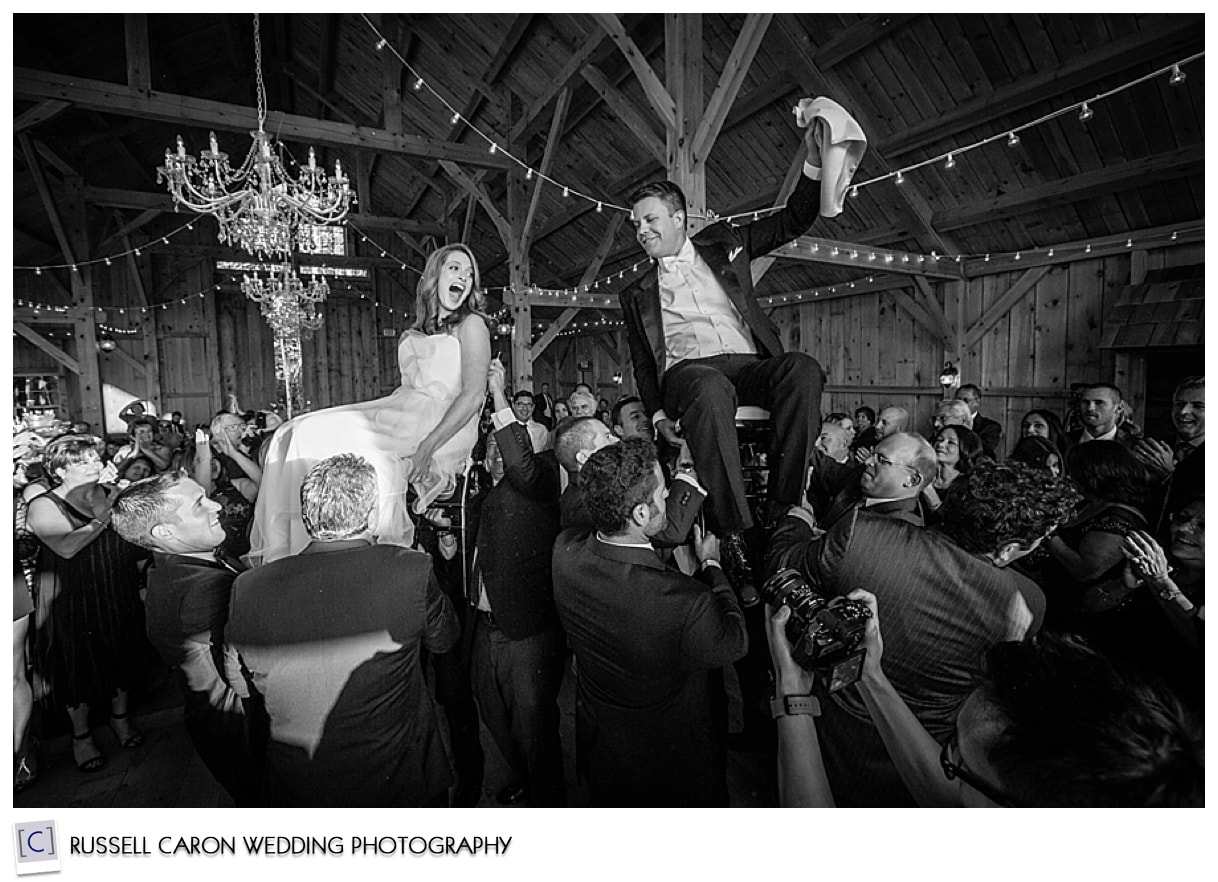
(876, 354)
(559, 365)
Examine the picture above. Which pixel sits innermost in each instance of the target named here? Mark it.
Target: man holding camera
(1039, 728)
(646, 638)
(948, 594)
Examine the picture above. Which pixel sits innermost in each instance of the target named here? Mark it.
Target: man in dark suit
(988, 430)
(518, 644)
(579, 437)
(889, 482)
(186, 611)
(1101, 409)
(946, 595)
(332, 638)
(646, 638)
(1179, 464)
(700, 344)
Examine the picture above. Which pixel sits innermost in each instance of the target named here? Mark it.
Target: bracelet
(795, 705)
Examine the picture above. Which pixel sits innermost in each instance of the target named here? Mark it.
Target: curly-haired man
(946, 595)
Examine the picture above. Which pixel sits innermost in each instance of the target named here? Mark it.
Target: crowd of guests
(1042, 604)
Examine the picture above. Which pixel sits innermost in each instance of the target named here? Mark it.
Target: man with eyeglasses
(522, 406)
(1050, 722)
(888, 481)
(949, 593)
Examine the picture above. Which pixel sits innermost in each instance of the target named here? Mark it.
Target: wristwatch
(792, 705)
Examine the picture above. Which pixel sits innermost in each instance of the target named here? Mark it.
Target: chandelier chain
(258, 69)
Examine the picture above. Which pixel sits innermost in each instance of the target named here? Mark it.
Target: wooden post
(151, 360)
(683, 54)
(518, 270)
(84, 329)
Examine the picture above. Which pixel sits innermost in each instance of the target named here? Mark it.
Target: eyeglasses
(953, 770)
(885, 461)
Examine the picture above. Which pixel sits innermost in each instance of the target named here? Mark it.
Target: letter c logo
(29, 842)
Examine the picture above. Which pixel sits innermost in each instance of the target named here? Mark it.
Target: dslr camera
(824, 634)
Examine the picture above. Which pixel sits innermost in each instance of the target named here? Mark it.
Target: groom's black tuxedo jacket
(728, 250)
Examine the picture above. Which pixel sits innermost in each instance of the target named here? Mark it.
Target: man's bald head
(892, 419)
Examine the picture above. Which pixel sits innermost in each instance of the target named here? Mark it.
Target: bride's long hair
(427, 294)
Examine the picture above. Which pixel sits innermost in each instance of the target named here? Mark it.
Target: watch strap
(793, 705)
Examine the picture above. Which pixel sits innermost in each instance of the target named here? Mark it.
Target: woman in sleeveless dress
(89, 620)
(420, 435)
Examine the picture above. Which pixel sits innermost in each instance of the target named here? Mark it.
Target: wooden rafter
(568, 72)
(470, 186)
(38, 114)
(658, 96)
(547, 159)
(328, 45)
(49, 203)
(555, 328)
(1088, 249)
(730, 81)
(109, 98)
(1127, 53)
(626, 111)
(924, 296)
(813, 249)
(47, 346)
(139, 64)
(127, 227)
(829, 83)
(602, 250)
(920, 315)
(1113, 178)
(56, 161)
(858, 37)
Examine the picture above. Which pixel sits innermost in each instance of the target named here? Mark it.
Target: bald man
(888, 482)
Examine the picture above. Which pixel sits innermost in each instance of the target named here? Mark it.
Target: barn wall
(875, 353)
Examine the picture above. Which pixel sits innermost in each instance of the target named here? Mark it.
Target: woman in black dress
(89, 626)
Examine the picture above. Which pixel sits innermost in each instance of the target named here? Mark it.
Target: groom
(700, 345)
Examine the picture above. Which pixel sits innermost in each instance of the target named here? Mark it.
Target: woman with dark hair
(957, 449)
(89, 624)
(420, 435)
(1087, 550)
(1039, 453)
(136, 468)
(1038, 423)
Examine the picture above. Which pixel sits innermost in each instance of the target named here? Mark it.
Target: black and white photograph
(600, 411)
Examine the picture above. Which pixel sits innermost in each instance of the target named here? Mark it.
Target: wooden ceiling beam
(626, 111)
(1177, 32)
(657, 95)
(327, 49)
(568, 72)
(858, 37)
(910, 198)
(1100, 246)
(129, 227)
(124, 101)
(49, 203)
(730, 81)
(1149, 170)
(470, 186)
(139, 65)
(38, 114)
(547, 158)
(813, 249)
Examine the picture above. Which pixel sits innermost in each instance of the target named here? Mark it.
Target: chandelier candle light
(260, 207)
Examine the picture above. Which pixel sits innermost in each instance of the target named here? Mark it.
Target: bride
(419, 435)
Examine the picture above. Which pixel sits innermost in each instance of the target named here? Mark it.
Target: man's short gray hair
(338, 497)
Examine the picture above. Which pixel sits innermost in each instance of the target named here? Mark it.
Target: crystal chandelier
(260, 207)
(288, 304)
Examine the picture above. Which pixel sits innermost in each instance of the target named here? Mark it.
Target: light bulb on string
(381, 44)
(1012, 140)
(566, 191)
(951, 162)
(494, 148)
(900, 177)
(456, 118)
(418, 84)
(600, 207)
(1086, 113)
(1177, 76)
(528, 175)
(854, 191)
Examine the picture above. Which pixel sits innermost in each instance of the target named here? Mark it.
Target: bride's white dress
(384, 431)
